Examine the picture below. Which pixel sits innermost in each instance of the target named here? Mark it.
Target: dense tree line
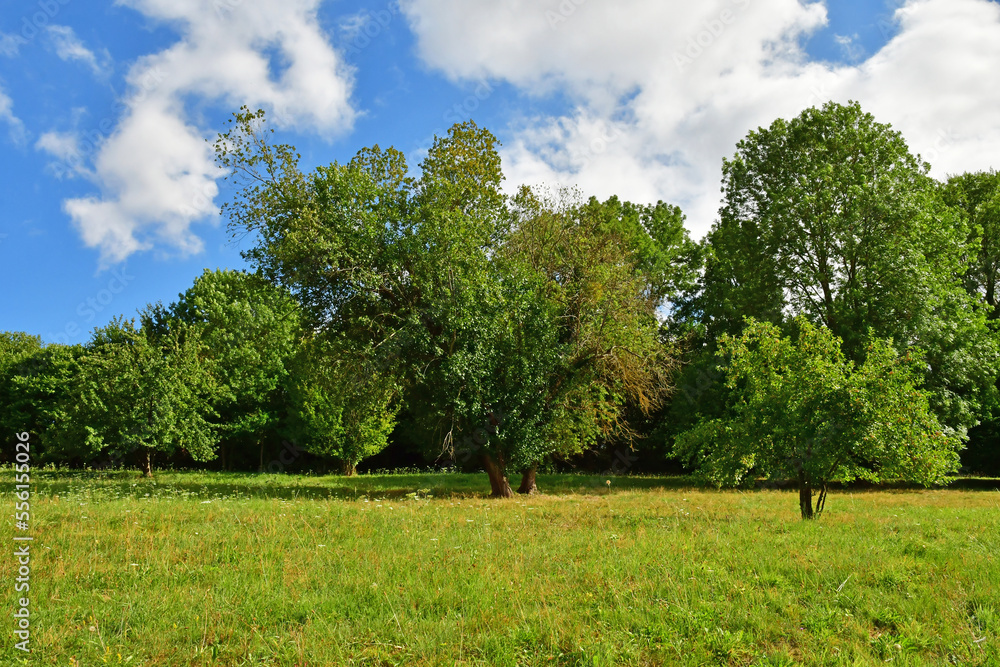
(837, 322)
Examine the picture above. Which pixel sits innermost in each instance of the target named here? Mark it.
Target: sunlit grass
(227, 569)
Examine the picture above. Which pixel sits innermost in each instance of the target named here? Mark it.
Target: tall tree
(829, 215)
(803, 411)
(249, 330)
(335, 240)
(593, 274)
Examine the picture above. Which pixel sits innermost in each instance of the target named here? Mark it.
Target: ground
(227, 569)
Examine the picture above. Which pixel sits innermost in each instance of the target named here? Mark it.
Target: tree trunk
(261, 467)
(498, 478)
(806, 499)
(528, 481)
(147, 466)
(348, 469)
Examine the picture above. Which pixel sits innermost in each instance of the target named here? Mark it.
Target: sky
(109, 194)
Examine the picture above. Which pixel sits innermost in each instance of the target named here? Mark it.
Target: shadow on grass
(127, 483)
(209, 485)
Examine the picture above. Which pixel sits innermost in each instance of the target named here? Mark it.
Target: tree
(432, 282)
(249, 330)
(977, 197)
(137, 391)
(34, 391)
(33, 380)
(802, 410)
(830, 216)
(15, 348)
(335, 241)
(585, 344)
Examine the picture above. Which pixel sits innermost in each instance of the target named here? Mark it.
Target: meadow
(198, 568)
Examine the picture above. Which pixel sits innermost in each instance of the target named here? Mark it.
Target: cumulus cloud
(662, 91)
(69, 47)
(155, 170)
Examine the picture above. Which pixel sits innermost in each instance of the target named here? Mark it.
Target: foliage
(336, 409)
(15, 346)
(600, 271)
(512, 330)
(830, 216)
(977, 197)
(33, 386)
(801, 410)
(134, 391)
(249, 331)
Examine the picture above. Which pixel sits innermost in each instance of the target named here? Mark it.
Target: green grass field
(228, 569)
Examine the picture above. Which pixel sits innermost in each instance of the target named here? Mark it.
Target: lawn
(230, 569)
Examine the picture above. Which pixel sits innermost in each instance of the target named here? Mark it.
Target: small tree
(139, 392)
(801, 410)
(338, 407)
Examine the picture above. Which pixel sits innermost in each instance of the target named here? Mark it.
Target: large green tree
(586, 348)
(830, 216)
(801, 410)
(430, 282)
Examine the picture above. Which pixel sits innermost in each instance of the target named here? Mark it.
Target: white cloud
(65, 147)
(10, 45)
(18, 134)
(69, 47)
(664, 90)
(155, 169)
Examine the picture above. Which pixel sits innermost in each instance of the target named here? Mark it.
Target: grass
(229, 569)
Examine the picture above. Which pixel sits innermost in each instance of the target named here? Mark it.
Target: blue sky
(109, 199)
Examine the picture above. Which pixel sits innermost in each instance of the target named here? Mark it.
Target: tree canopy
(830, 216)
(436, 311)
(520, 317)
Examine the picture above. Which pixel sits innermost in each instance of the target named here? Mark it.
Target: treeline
(837, 322)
